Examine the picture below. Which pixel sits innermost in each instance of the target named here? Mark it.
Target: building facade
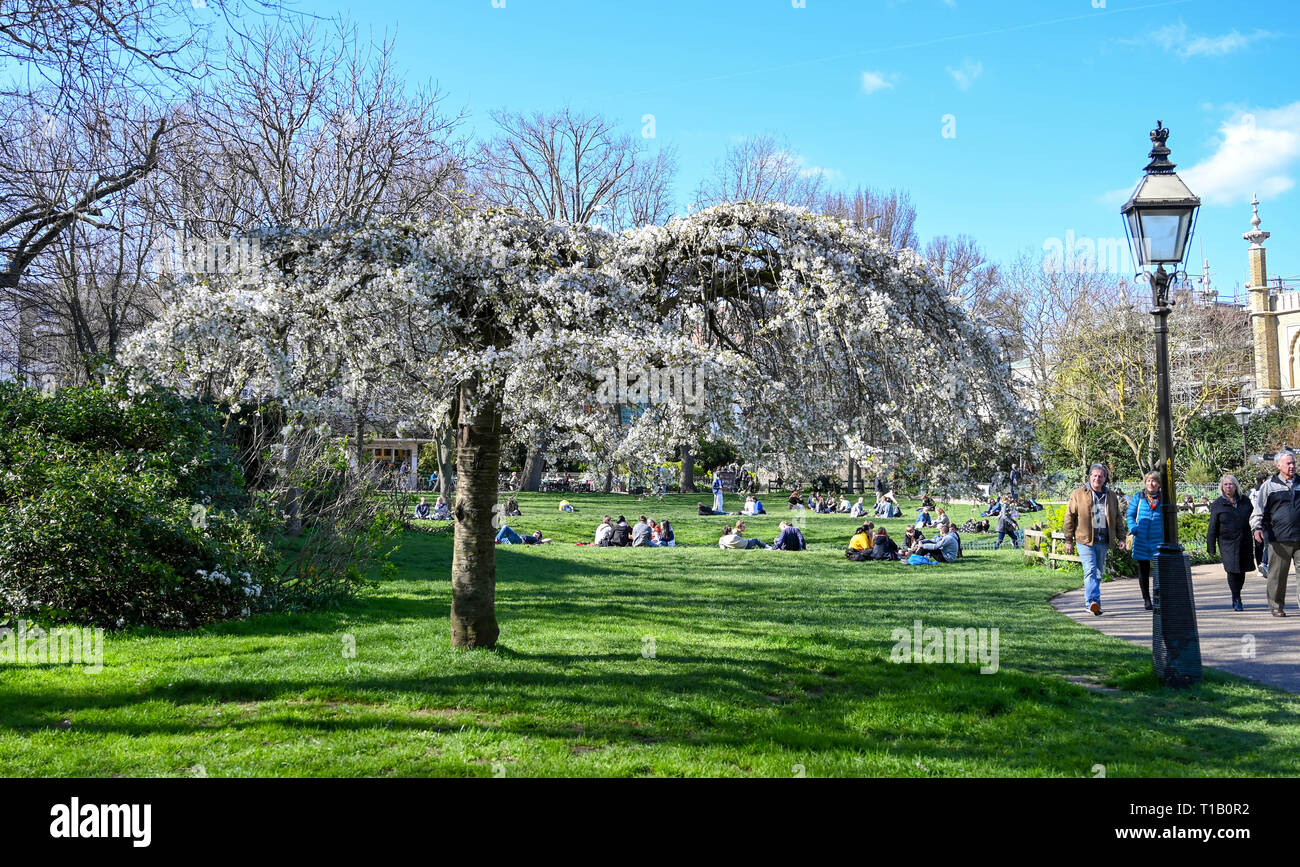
(1275, 325)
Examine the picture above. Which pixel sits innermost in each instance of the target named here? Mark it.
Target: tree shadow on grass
(1011, 721)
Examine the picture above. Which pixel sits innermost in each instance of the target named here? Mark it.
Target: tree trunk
(609, 480)
(532, 473)
(446, 442)
(473, 565)
(359, 431)
(687, 480)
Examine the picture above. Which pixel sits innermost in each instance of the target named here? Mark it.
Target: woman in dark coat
(883, 547)
(1230, 533)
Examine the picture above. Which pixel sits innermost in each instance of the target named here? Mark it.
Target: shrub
(121, 511)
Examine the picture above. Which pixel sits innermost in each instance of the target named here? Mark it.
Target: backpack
(856, 555)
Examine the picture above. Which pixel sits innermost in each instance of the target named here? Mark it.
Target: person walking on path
(1146, 523)
(1007, 526)
(1230, 532)
(1093, 521)
(1277, 517)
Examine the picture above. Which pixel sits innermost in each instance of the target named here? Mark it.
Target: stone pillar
(1263, 319)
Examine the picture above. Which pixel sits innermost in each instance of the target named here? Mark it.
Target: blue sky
(1050, 101)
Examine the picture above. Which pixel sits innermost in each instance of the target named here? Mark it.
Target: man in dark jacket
(1277, 514)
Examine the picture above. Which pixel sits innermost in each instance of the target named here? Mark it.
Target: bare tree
(55, 172)
(68, 64)
(978, 284)
(890, 214)
(761, 168)
(1052, 305)
(312, 127)
(73, 232)
(575, 167)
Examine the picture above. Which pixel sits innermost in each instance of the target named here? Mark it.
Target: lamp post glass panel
(1159, 218)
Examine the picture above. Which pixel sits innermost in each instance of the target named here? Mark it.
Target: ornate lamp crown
(1160, 163)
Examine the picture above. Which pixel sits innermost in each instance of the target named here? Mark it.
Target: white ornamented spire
(1255, 236)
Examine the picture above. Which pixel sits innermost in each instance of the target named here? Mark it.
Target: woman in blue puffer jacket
(1146, 523)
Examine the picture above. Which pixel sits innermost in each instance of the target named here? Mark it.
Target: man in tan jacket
(1094, 519)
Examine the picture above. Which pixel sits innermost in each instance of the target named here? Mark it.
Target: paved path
(1226, 635)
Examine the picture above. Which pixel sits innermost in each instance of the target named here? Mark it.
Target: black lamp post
(1242, 414)
(1159, 218)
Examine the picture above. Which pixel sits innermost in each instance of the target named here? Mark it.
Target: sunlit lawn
(675, 662)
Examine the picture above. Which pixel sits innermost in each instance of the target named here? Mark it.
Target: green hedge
(120, 510)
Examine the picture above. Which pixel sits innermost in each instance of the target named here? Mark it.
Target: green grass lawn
(765, 663)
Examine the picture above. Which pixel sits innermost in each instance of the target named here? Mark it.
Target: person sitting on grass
(748, 508)
(666, 538)
(927, 502)
(735, 538)
(604, 530)
(622, 536)
(941, 517)
(441, 511)
(641, 533)
(566, 506)
(844, 506)
(861, 540)
(796, 499)
(510, 537)
(912, 537)
(944, 548)
(788, 539)
(858, 509)
(923, 517)
(883, 547)
(512, 508)
(422, 510)
(758, 507)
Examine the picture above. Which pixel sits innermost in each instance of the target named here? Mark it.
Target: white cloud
(811, 171)
(874, 81)
(967, 74)
(1175, 38)
(1257, 152)
(800, 163)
